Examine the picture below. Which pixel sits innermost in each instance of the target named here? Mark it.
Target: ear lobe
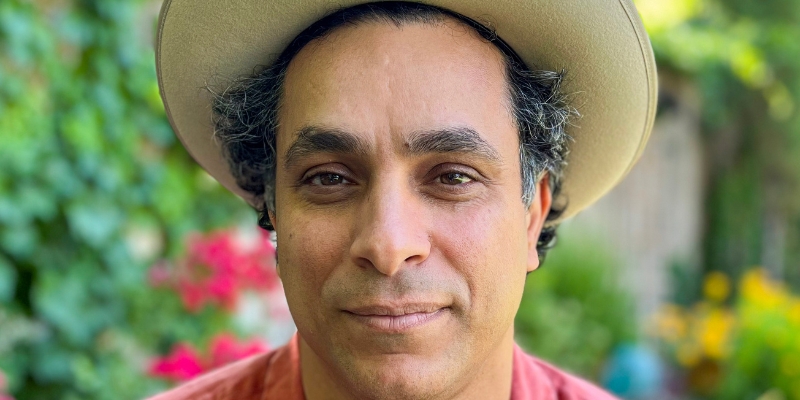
(272, 221)
(537, 215)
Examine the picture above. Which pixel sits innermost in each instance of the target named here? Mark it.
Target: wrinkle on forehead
(388, 82)
(394, 56)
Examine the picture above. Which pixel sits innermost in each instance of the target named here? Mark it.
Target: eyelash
(344, 180)
(449, 174)
(319, 176)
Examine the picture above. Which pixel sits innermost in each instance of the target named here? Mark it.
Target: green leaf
(82, 129)
(8, 280)
(94, 220)
(19, 240)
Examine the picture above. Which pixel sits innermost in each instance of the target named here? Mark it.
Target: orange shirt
(276, 375)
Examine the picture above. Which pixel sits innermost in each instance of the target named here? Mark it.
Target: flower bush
(94, 187)
(217, 269)
(737, 348)
(184, 362)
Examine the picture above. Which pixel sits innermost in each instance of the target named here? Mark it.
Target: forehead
(387, 81)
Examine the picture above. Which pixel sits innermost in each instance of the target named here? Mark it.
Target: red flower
(225, 349)
(184, 363)
(218, 267)
(180, 365)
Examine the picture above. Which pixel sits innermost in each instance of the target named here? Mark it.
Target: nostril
(416, 258)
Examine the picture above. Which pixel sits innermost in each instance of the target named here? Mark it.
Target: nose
(392, 233)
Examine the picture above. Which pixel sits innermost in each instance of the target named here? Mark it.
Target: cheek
(309, 251)
(488, 248)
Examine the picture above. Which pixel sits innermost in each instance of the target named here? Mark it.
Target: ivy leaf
(95, 221)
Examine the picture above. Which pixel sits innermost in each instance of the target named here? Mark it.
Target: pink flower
(217, 267)
(184, 362)
(180, 365)
(225, 349)
(193, 295)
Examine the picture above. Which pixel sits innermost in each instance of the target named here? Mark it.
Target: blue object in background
(633, 372)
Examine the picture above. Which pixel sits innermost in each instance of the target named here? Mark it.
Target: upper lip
(397, 309)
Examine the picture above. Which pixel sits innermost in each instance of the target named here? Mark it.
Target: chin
(398, 377)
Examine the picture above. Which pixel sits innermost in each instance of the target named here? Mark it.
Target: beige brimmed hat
(600, 43)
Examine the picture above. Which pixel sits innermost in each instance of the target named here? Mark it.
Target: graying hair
(246, 114)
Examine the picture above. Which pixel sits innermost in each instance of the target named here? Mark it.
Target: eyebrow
(452, 140)
(316, 139)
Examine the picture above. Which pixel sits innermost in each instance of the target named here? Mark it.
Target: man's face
(404, 242)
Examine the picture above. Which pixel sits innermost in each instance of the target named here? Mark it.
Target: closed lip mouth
(395, 310)
(396, 318)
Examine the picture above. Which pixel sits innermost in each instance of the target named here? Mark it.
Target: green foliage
(742, 57)
(89, 169)
(574, 311)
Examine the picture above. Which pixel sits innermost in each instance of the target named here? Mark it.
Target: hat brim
(600, 43)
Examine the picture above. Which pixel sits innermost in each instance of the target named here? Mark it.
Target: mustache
(414, 283)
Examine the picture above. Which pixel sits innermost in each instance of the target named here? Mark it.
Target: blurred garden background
(125, 269)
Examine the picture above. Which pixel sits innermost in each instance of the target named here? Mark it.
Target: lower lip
(398, 323)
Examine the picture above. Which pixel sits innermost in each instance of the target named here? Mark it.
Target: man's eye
(327, 179)
(454, 178)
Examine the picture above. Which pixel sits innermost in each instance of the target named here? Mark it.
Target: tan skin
(439, 239)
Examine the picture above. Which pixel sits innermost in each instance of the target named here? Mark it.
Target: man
(410, 161)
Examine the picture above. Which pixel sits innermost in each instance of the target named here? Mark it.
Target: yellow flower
(717, 286)
(715, 333)
(759, 290)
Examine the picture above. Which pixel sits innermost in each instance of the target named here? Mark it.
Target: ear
(537, 215)
(272, 221)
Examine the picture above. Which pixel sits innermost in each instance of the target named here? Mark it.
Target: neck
(488, 380)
